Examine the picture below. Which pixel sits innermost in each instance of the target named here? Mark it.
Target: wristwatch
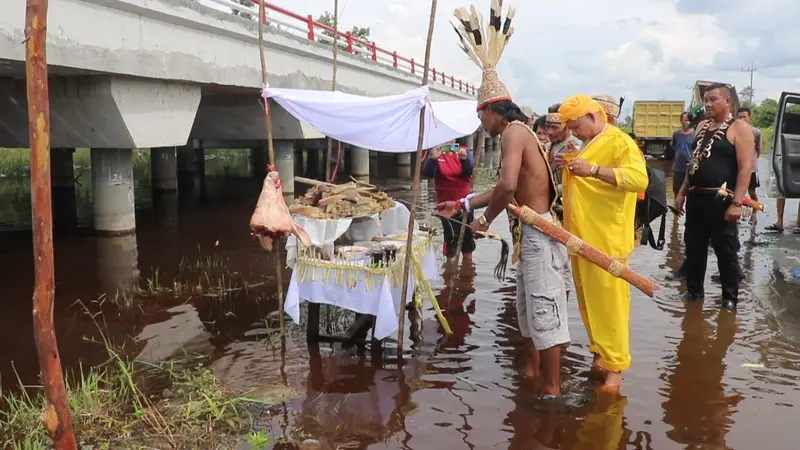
(482, 220)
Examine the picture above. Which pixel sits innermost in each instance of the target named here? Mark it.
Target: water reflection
(117, 263)
(697, 407)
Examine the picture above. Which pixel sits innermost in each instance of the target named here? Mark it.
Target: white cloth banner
(384, 124)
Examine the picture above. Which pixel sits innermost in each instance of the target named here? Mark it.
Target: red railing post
(460, 87)
(394, 59)
(434, 75)
(349, 37)
(413, 69)
(375, 51)
(452, 82)
(310, 27)
(444, 78)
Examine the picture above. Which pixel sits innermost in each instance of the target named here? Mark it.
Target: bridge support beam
(404, 159)
(359, 163)
(164, 169)
(112, 189)
(284, 162)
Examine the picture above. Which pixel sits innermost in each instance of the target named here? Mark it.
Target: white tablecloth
(324, 232)
(381, 299)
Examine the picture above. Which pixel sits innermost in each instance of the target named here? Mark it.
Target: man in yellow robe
(601, 182)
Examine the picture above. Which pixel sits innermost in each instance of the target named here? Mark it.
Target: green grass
(112, 406)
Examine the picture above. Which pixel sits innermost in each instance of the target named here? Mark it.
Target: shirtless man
(525, 177)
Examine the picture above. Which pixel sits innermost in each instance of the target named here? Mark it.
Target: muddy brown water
(699, 379)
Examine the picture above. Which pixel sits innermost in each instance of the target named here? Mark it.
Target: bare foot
(612, 385)
(597, 370)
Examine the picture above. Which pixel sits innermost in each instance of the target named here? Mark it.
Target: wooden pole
(56, 417)
(415, 188)
(271, 152)
(333, 87)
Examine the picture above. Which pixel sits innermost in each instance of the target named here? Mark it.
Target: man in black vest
(722, 153)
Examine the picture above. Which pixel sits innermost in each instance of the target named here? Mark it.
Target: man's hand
(680, 202)
(436, 152)
(558, 161)
(733, 213)
(580, 167)
(462, 153)
(447, 209)
(477, 227)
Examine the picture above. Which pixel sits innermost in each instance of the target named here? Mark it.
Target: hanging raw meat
(271, 219)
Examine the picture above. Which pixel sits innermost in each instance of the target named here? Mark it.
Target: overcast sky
(640, 49)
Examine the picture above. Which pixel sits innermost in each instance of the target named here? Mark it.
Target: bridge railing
(308, 27)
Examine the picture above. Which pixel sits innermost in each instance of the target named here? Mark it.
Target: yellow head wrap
(578, 106)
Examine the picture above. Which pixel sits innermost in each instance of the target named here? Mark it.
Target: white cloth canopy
(384, 124)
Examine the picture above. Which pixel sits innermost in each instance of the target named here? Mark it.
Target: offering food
(329, 201)
(271, 220)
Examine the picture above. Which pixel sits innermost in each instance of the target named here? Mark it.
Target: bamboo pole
(56, 417)
(333, 88)
(271, 152)
(415, 188)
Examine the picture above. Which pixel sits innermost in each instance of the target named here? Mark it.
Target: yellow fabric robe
(603, 216)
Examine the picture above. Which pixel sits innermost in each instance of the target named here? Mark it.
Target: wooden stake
(333, 87)
(271, 152)
(56, 417)
(415, 188)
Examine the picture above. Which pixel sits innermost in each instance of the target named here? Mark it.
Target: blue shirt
(682, 143)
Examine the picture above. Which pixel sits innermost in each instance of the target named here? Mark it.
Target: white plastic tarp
(384, 124)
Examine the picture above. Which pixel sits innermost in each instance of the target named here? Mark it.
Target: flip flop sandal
(774, 227)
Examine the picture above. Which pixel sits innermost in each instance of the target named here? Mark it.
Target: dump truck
(696, 103)
(653, 124)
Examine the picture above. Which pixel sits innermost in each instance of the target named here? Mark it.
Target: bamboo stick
(56, 417)
(271, 152)
(415, 188)
(576, 245)
(333, 87)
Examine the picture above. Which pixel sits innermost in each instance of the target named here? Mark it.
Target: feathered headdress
(484, 43)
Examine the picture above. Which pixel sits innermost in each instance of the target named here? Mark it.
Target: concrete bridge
(177, 76)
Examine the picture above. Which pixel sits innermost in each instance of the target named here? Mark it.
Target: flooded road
(699, 378)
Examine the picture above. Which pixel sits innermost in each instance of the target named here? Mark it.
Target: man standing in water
(682, 145)
(723, 153)
(601, 183)
(526, 179)
(746, 115)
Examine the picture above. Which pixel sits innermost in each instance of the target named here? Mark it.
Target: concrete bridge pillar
(298, 161)
(112, 191)
(258, 162)
(403, 159)
(359, 163)
(62, 176)
(312, 163)
(164, 169)
(284, 162)
(62, 168)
